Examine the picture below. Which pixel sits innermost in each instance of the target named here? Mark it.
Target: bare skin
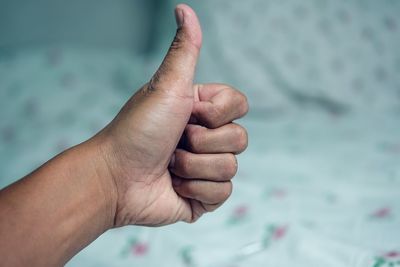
(168, 156)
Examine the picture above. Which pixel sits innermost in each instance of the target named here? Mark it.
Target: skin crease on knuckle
(230, 167)
(219, 167)
(215, 116)
(226, 191)
(234, 102)
(241, 138)
(209, 192)
(241, 103)
(236, 99)
(218, 192)
(197, 140)
(222, 166)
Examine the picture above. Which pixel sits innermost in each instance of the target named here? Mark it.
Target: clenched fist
(171, 150)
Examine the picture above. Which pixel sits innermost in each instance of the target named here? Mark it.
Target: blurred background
(320, 182)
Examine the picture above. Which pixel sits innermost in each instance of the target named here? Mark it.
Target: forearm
(52, 213)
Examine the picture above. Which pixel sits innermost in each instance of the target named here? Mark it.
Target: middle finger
(213, 167)
(230, 138)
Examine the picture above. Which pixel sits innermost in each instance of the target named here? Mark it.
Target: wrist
(91, 155)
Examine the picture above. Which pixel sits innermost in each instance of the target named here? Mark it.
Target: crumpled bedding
(313, 189)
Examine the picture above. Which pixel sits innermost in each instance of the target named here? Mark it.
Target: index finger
(218, 104)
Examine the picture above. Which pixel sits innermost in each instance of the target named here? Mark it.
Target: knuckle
(241, 138)
(227, 87)
(243, 103)
(231, 166)
(215, 115)
(233, 96)
(226, 190)
(239, 98)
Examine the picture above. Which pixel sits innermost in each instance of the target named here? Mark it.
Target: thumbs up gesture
(170, 152)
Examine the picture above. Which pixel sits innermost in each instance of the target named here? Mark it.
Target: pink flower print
(391, 258)
(279, 232)
(240, 211)
(392, 254)
(274, 233)
(238, 214)
(135, 247)
(140, 249)
(381, 213)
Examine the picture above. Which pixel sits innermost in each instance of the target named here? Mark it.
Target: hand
(156, 183)
(168, 156)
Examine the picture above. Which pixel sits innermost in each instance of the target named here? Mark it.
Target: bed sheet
(313, 189)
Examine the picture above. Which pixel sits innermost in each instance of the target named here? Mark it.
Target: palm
(142, 162)
(143, 138)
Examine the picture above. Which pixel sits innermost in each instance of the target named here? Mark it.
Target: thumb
(176, 72)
